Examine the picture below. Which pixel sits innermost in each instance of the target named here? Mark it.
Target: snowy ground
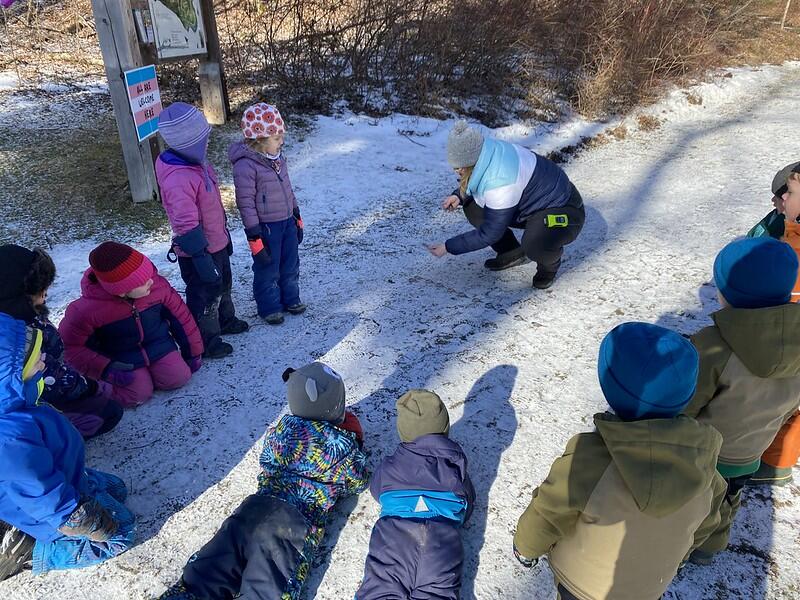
(515, 366)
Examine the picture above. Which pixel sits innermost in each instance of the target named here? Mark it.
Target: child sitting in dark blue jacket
(426, 495)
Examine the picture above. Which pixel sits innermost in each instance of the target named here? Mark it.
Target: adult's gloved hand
(119, 373)
(299, 222)
(90, 520)
(259, 250)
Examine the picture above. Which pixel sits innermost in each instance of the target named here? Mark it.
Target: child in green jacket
(626, 503)
(749, 380)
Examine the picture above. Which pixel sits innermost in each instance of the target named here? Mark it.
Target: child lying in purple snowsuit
(311, 459)
(426, 494)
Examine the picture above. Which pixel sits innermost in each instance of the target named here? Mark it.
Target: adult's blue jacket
(41, 454)
(510, 183)
(416, 549)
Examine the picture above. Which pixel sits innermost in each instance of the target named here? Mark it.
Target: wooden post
(785, 13)
(212, 76)
(119, 45)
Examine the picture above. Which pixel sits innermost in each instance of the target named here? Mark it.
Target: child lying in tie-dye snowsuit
(311, 459)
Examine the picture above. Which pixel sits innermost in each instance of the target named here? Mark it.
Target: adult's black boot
(545, 276)
(506, 260)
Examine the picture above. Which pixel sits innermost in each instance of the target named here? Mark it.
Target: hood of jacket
(239, 150)
(12, 359)
(664, 462)
(766, 340)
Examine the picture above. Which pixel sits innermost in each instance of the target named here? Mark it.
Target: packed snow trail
(515, 366)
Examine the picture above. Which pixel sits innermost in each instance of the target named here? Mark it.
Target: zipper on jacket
(138, 319)
(285, 195)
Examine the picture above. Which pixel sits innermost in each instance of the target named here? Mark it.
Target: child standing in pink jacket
(130, 327)
(190, 194)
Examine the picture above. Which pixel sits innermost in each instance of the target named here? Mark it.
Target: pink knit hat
(262, 120)
(119, 268)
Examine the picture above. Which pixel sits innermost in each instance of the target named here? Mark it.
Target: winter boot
(178, 591)
(16, 551)
(235, 326)
(698, 557)
(218, 349)
(506, 260)
(296, 309)
(545, 276)
(274, 318)
(769, 475)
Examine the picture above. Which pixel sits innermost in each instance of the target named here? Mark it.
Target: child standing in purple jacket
(426, 495)
(190, 194)
(269, 212)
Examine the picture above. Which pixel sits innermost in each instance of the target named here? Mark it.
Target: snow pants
(260, 552)
(542, 244)
(413, 559)
(276, 284)
(75, 552)
(211, 304)
(782, 454)
(91, 415)
(169, 372)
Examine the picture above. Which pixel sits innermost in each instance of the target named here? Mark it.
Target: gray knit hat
(463, 145)
(420, 412)
(315, 392)
(781, 178)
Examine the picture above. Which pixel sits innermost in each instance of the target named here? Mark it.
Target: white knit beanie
(463, 145)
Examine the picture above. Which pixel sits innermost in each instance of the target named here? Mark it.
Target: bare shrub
(432, 57)
(648, 122)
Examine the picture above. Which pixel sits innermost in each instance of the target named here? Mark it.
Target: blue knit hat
(185, 130)
(756, 272)
(646, 371)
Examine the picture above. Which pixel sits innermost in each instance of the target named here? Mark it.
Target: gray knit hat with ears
(315, 392)
(463, 145)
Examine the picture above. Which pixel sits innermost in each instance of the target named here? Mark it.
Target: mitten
(119, 373)
(299, 222)
(351, 423)
(194, 243)
(195, 363)
(524, 561)
(206, 268)
(258, 248)
(90, 520)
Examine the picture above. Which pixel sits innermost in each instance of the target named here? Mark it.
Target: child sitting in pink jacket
(130, 327)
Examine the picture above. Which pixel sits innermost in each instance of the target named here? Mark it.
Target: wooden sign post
(133, 33)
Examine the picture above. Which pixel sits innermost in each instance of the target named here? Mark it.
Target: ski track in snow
(515, 366)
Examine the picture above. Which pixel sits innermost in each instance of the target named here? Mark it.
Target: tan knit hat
(463, 145)
(420, 412)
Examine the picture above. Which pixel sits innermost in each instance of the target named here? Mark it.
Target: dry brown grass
(429, 56)
(648, 122)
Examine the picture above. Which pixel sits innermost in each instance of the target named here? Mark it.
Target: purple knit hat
(185, 130)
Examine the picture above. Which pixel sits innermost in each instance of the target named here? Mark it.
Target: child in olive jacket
(626, 503)
(749, 381)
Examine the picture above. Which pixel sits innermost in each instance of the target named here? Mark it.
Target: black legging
(541, 243)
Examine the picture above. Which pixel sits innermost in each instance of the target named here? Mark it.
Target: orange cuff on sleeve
(256, 246)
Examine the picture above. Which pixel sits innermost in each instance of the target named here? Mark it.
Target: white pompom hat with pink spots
(262, 120)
